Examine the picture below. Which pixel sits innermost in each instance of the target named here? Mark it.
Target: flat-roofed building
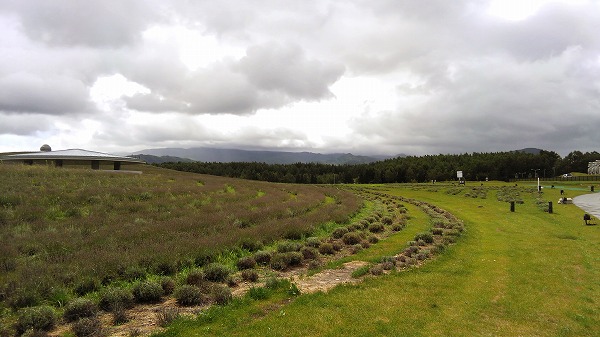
(71, 156)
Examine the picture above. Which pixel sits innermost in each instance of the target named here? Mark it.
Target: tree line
(442, 167)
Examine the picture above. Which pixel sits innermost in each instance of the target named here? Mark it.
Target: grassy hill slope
(527, 273)
(72, 230)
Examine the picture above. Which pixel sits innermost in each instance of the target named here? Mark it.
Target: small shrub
(385, 259)
(365, 244)
(351, 238)
(337, 246)
(280, 261)
(263, 257)
(373, 239)
(188, 295)
(411, 250)
(204, 257)
(288, 246)
(258, 293)
(354, 227)
(168, 285)
(296, 258)
(397, 227)
(87, 327)
(376, 227)
(86, 286)
(164, 316)
(339, 232)
(294, 234)
(274, 283)
(326, 248)
(361, 271)
(425, 237)
(293, 290)
(246, 262)
(37, 318)
(313, 242)
(437, 231)
(386, 220)
(376, 269)
(232, 281)
(356, 248)
(309, 253)
(221, 294)
(423, 255)
(388, 265)
(132, 273)
(195, 277)
(111, 297)
(250, 244)
(250, 275)
(23, 298)
(147, 292)
(216, 272)
(314, 264)
(119, 315)
(79, 308)
(166, 268)
(449, 240)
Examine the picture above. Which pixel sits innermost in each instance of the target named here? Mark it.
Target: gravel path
(589, 203)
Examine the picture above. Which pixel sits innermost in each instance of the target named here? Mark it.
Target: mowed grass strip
(527, 273)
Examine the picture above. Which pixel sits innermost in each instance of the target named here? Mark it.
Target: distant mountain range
(205, 154)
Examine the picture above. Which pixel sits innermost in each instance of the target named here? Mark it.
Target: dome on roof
(45, 148)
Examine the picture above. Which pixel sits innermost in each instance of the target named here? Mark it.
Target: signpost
(459, 175)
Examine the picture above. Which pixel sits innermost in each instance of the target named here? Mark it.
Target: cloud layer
(385, 77)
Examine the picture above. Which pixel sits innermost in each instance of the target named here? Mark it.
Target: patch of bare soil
(329, 278)
(142, 320)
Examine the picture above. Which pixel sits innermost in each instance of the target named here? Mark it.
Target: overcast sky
(362, 76)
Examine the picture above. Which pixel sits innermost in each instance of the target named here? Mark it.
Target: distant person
(562, 192)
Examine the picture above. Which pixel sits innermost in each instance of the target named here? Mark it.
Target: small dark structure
(71, 156)
(587, 218)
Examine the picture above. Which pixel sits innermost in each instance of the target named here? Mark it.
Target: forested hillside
(475, 166)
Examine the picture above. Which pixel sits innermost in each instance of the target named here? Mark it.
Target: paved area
(589, 203)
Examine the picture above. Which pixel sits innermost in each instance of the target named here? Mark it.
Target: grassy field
(65, 233)
(522, 273)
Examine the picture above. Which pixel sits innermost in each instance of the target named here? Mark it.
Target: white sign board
(459, 174)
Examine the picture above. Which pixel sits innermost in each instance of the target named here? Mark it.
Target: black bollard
(592, 188)
(550, 207)
(512, 206)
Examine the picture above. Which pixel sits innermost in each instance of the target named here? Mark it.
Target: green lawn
(527, 273)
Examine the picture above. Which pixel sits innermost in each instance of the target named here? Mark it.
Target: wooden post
(512, 206)
(550, 207)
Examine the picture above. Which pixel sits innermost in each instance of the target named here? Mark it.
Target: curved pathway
(589, 203)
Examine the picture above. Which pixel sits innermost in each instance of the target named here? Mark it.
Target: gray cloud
(110, 23)
(31, 93)
(269, 76)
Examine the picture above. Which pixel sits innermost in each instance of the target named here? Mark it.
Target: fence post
(512, 206)
(550, 207)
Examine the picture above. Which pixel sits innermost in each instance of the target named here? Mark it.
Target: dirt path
(143, 319)
(327, 279)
